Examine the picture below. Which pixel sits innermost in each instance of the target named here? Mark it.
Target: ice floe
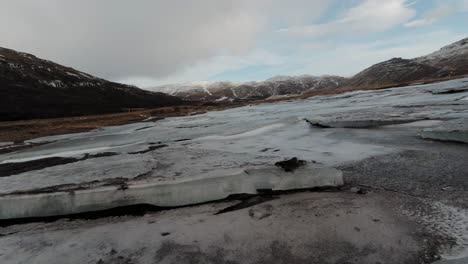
(167, 194)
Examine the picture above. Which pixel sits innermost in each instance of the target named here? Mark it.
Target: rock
(362, 191)
(290, 164)
(358, 190)
(261, 212)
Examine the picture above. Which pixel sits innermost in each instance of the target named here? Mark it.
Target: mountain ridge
(36, 88)
(449, 61)
(253, 90)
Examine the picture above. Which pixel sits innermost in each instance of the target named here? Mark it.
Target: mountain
(231, 91)
(391, 72)
(35, 88)
(449, 61)
(452, 58)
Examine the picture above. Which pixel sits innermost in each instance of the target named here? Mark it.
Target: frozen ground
(404, 145)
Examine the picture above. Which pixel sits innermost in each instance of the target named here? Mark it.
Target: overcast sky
(152, 42)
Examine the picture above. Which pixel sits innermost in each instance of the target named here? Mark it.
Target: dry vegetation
(19, 131)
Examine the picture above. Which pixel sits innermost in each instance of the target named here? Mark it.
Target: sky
(154, 42)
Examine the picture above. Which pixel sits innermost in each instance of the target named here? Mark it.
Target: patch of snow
(221, 99)
(207, 91)
(72, 74)
(452, 222)
(54, 83)
(459, 48)
(86, 75)
(15, 65)
(84, 84)
(3, 144)
(25, 55)
(282, 78)
(151, 118)
(234, 92)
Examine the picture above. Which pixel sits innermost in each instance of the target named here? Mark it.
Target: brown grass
(19, 131)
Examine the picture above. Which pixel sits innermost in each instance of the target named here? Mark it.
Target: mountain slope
(394, 71)
(451, 60)
(34, 88)
(230, 91)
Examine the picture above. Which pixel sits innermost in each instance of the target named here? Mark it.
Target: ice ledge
(453, 130)
(166, 194)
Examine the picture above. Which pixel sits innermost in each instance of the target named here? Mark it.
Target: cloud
(207, 69)
(118, 39)
(367, 17)
(440, 11)
(421, 22)
(151, 42)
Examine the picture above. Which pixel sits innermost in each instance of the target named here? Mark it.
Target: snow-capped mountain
(232, 91)
(35, 88)
(451, 60)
